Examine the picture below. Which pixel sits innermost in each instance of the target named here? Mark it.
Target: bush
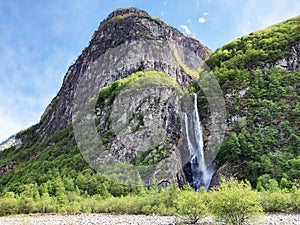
(26, 205)
(296, 200)
(235, 202)
(8, 206)
(277, 201)
(192, 205)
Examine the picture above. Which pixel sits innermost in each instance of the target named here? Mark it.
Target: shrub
(235, 202)
(26, 205)
(192, 205)
(8, 206)
(277, 201)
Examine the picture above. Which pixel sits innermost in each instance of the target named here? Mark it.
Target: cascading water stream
(202, 174)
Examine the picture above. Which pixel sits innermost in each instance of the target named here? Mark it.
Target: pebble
(86, 219)
(282, 219)
(108, 219)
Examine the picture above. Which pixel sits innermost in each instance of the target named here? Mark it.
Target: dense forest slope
(258, 73)
(260, 77)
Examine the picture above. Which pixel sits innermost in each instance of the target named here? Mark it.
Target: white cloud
(202, 20)
(186, 29)
(189, 20)
(205, 14)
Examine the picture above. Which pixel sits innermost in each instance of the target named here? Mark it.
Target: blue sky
(40, 39)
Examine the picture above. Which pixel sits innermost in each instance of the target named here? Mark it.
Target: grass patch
(136, 81)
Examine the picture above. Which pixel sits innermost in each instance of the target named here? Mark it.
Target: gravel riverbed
(107, 219)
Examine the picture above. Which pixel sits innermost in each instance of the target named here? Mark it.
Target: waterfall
(202, 174)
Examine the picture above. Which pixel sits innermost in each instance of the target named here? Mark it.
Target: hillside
(129, 100)
(259, 75)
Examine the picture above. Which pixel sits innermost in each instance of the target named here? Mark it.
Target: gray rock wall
(118, 48)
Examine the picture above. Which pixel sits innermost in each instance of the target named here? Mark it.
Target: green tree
(47, 204)
(230, 147)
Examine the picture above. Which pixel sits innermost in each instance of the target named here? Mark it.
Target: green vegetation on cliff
(260, 47)
(136, 81)
(262, 104)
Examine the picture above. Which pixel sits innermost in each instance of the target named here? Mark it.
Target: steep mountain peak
(127, 12)
(128, 41)
(139, 122)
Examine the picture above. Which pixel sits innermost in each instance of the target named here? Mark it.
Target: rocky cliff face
(141, 125)
(127, 41)
(291, 62)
